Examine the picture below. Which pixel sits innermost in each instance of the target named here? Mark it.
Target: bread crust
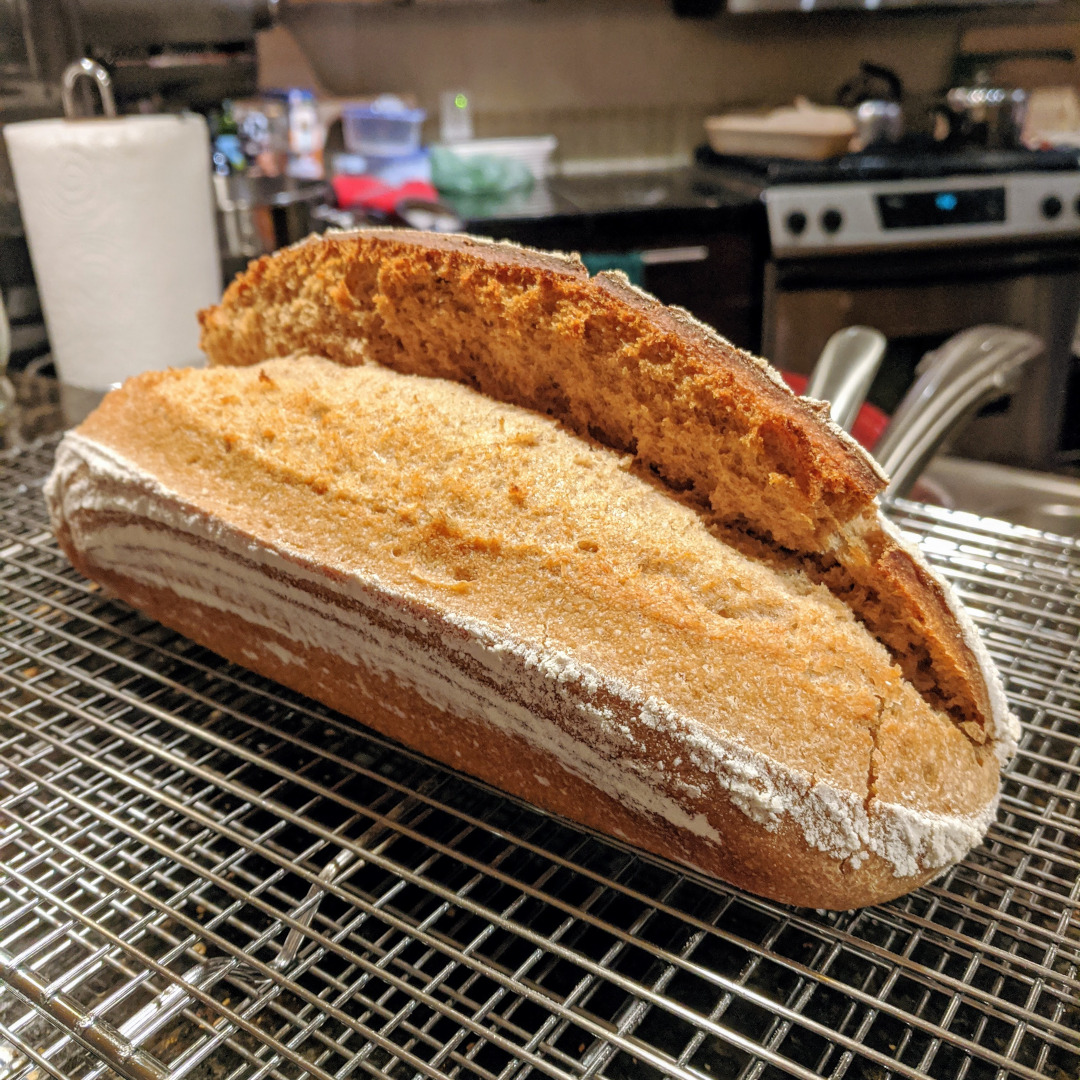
(716, 425)
(242, 561)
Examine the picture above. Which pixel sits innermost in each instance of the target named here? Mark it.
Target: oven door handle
(669, 256)
(969, 370)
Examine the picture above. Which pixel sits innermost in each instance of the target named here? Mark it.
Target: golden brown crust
(610, 362)
(368, 488)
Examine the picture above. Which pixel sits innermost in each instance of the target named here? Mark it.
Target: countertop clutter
(209, 873)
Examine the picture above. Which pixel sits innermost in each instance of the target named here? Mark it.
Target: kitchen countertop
(615, 205)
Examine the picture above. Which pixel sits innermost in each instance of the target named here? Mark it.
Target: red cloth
(869, 424)
(369, 193)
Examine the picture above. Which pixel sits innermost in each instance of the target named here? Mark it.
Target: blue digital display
(926, 209)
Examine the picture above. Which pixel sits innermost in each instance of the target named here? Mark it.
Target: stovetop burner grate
(160, 807)
(916, 159)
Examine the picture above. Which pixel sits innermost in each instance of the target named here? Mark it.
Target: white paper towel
(120, 222)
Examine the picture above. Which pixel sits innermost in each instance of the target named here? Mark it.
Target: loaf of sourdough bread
(584, 623)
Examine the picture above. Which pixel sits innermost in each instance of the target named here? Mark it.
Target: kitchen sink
(1043, 501)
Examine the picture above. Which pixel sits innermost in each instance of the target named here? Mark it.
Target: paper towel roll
(120, 222)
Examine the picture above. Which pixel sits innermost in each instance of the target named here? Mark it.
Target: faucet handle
(954, 381)
(844, 371)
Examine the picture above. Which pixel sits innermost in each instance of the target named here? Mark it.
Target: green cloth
(630, 263)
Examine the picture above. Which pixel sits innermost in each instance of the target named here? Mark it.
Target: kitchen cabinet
(721, 289)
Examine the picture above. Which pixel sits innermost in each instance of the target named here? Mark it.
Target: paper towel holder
(90, 69)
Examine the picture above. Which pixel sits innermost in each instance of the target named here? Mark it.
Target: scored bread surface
(529, 606)
(764, 469)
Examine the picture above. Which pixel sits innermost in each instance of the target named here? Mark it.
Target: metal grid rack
(164, 815)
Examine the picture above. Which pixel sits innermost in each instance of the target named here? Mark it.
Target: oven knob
(831, 221)
(1050, 207)
(795, 222)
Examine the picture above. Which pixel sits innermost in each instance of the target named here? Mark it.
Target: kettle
(875, 94)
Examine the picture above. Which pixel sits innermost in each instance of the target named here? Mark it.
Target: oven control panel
(807, 219)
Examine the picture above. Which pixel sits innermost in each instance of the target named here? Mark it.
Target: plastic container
(385, 128)
(532, 151)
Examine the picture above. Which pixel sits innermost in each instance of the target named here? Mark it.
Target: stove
(912, 195)
(922, 241)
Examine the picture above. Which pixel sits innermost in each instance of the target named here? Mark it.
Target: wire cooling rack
(165, 815)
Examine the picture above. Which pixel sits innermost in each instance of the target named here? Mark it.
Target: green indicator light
(461, 101)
